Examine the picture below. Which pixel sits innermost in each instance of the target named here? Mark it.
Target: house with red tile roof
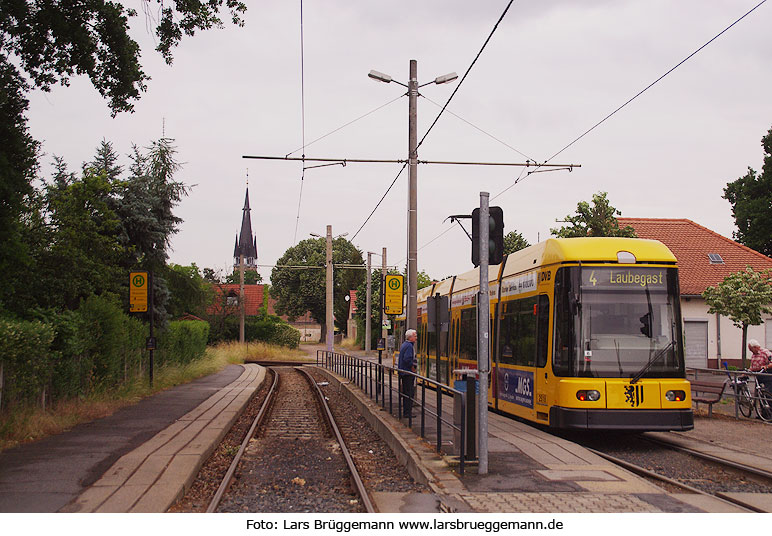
(705, 258)
(227, 297)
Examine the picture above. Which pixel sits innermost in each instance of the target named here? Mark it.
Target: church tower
(246, 244)
(244, 258)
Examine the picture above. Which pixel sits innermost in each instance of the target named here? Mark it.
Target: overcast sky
(550, 72)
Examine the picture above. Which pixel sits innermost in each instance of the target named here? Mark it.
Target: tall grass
(28, 424)
(260, 351)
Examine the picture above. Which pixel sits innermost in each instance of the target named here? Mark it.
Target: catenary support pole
(412, 211)
(329, 318)
(368, 314)
(483, 326)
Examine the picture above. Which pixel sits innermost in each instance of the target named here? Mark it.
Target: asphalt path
(46, 475)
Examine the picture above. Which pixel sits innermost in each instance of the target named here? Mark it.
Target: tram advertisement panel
(515, 386)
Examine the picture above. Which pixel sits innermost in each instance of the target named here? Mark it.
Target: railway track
(293, 458)
(684, 469)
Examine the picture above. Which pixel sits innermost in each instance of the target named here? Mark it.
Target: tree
(514, 241)
(422, 279)
(596, 220)
(18, 164)
(189, 292)
(251, 277)
(743, 297)
(52, 41)
(83, 249)
(751, 200)
(300, 290)
(45, 43)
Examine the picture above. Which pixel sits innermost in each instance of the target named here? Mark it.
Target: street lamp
(412, 213)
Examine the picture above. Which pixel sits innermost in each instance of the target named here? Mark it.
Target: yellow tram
(585, 334)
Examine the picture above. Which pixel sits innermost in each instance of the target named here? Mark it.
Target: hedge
(182, 342)
(25, 359)
(94, 348)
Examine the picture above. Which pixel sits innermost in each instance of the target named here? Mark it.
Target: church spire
(245, 243)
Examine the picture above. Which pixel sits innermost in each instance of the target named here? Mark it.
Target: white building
(705, 258)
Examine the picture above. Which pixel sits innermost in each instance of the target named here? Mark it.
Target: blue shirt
(407, 358)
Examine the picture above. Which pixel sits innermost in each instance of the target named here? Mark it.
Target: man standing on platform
(408, 362)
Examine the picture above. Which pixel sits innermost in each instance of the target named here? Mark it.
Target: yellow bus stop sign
(138, 292)
(392, 298)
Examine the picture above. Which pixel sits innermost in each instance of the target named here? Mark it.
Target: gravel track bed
(704, 475)
(377, 465)
(294, 464)
(202, 491)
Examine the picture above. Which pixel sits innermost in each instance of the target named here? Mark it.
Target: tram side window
(517, 344)
(468, 336)
(543, 330)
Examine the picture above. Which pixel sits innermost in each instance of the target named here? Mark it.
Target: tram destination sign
(392, 297)
(624, 278)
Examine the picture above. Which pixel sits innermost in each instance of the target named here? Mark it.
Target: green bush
(182, 342)
(286, 335)
(25, 354)
(264, 328)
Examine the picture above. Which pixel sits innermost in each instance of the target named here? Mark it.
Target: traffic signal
(495, 236)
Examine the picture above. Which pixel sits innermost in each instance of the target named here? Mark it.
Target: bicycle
(760, 401)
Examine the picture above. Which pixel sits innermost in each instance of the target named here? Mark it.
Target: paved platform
(530, 470)
(138, 459)
(142, 458)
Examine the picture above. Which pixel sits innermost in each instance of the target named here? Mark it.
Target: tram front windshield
(617, 322)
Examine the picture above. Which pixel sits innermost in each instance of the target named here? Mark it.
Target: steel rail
(637, 469)
(359, 485)
(715, 459)
(228, 478)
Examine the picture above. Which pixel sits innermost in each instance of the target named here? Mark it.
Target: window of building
(715, 258)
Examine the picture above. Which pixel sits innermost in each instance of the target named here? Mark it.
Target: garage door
(696, 344)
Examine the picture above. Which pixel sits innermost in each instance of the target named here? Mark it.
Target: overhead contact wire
(381, 201)
(596, 125)
(505, 144)
(441, 111)
(302, 120)
(310, 143)
(458, 86)
(687, 58)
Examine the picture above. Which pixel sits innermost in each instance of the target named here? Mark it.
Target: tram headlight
(675, 396)
(587, 395)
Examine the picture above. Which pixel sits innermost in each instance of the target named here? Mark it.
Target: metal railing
(378, 382)
(733, 381)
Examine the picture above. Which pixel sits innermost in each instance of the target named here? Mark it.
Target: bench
(711, 392)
